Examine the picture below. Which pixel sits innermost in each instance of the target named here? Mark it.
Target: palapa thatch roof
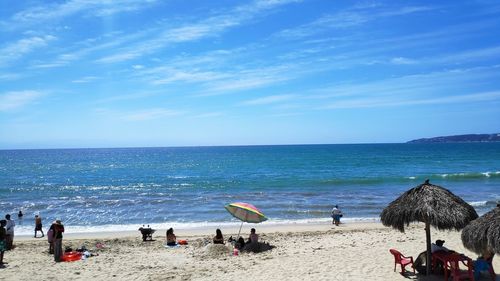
(428, 203)
(483, 233)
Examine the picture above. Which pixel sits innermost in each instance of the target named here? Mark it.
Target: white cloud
(85, 79)
(54, 12)
(192, 31)
(15, 100)
(9, 76)
(269, 99)
(402, 60)
(388, 102)
(166, 75)
(352, 17)
(16, 50)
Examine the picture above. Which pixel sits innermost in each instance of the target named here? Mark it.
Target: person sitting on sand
(240, 244)
(253, 238)
(218, 239)
(438, 246)
(171, 238)
(38, 225)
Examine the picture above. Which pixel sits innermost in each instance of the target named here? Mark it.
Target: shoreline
(210, 230)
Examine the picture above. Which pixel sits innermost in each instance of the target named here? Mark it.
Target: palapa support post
(428, 263)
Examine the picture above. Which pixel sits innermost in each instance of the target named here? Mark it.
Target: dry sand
(302, 252)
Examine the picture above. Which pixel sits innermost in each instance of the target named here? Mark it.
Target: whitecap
(478, 203)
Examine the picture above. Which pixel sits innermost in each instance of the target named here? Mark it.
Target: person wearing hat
(438, 246)
(57, 240)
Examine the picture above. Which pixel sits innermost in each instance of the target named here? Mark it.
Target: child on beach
(38, 225)
(240, 243)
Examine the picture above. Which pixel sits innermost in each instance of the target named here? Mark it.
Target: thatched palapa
(432, 205)
(483, 234)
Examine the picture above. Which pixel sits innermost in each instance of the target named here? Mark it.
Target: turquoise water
(118, 189)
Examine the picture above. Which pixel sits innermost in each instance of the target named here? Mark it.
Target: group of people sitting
(239, 244)
(482, 263)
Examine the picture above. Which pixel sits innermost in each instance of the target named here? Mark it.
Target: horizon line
(203, 146)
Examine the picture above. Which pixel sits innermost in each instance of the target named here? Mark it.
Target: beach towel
(171, 246)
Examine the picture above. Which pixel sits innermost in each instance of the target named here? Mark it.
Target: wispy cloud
(269, 99)
(16, 50)
(351, 17)
(454, 86)
(137, 115)
(166, 75)
(210, 27)
(85, 79)
(9, 76)
(402, 60)
(387, 102)
(55, 12)
(17, 99)
(93, 45)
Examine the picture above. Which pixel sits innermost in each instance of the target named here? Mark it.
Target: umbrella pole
(428, 241)
(238, 237)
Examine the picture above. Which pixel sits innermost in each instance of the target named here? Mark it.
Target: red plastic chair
(453, 267)
(402, 260)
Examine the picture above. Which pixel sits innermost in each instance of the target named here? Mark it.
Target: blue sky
(109, 73)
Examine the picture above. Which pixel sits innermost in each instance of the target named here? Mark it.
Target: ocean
(184, 187)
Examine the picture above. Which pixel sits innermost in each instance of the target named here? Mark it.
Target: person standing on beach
(50, 238)
(336, 215)
(58, 235)
(3, 244)
(38, 225)
(10, 224)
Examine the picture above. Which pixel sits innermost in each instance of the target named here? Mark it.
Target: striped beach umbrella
(246, 213)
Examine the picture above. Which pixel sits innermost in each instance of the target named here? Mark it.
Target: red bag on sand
(72, 256)
(183, 242)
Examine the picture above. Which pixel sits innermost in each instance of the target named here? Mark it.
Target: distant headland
(460, 138)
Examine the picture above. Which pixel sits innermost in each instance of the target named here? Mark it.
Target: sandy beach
(353, 251)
